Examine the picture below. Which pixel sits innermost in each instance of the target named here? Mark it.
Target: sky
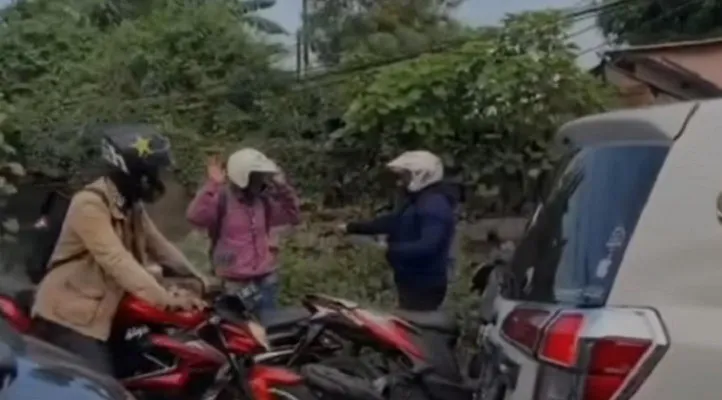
(472, 12)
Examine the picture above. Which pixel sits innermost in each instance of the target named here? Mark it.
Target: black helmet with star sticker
(135, 155)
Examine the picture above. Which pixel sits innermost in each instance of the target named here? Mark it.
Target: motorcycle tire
(335, 384)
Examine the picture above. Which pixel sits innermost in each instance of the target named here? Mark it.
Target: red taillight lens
(560, 345)
(612, 361)
(575, 363)
(617, 356)
(524, 327)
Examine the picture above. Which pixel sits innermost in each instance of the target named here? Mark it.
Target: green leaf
(440, 91)
(484, 190)
(11, 225)
(8, 238)
(6, 188)
(15, 168)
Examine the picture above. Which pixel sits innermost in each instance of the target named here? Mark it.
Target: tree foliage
(348, 31)
(654, 21)
(113, 12)
(182, 68)
(10, 171)
(490, 108)
(488, 104)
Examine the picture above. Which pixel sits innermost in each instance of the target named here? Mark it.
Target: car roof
(656, 123)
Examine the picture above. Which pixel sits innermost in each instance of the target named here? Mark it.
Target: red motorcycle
(161, 355)
(417, 353)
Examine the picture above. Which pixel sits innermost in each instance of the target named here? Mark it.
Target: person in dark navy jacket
(419, 233)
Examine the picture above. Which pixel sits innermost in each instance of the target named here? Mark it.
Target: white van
(615, 291)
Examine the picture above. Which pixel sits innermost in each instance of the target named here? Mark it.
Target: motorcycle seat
(283, 318)
(439, 321)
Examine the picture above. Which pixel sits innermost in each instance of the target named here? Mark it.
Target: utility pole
(304, 30)
(299, 49)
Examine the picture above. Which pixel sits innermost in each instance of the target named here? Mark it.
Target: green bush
(10, 171)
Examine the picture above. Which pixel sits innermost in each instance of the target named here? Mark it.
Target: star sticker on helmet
(142, 146)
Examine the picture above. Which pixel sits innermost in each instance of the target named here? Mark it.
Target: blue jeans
(269, 293)
(266, 288)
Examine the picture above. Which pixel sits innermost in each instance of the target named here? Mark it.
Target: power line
(660, 17)
(605, 6)
(595, 11)
(571, 16)
(582, 31)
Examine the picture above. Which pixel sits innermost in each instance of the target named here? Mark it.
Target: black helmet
(135, 155)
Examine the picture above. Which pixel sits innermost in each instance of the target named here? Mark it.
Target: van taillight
(560, 344)
(611, 362)
(524, 327)
(576, 366)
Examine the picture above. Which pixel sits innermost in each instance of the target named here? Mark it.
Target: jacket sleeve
(285, 208)
(435, 216)
(164, 252)
(89, 218)
(380, 225)
(202, 211)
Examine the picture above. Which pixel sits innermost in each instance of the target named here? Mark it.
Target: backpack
(54, 209)
(214, 233)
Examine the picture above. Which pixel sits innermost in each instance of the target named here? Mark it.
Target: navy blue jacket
(419, 236)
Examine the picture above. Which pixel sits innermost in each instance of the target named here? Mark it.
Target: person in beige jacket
(106, 244)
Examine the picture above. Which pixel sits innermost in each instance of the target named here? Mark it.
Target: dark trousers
(96, 353)
(421, 298)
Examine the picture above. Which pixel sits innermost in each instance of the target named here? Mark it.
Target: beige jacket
(100, 255)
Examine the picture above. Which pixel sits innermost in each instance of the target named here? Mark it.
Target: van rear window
(572, 251)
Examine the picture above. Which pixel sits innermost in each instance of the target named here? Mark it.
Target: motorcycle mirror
(233, 302)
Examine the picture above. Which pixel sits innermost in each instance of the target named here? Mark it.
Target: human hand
(210, 283)
(156, 271)
(184, 300)
(214, 169)
(187, 303)
(279, 178)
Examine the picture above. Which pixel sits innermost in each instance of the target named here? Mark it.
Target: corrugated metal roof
(667, 45)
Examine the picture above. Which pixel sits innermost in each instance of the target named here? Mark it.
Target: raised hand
(214, 169)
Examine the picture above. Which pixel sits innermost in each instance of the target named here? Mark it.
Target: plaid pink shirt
(244, 248)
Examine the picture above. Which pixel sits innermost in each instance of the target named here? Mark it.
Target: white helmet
(425, 168)
(244, 161)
